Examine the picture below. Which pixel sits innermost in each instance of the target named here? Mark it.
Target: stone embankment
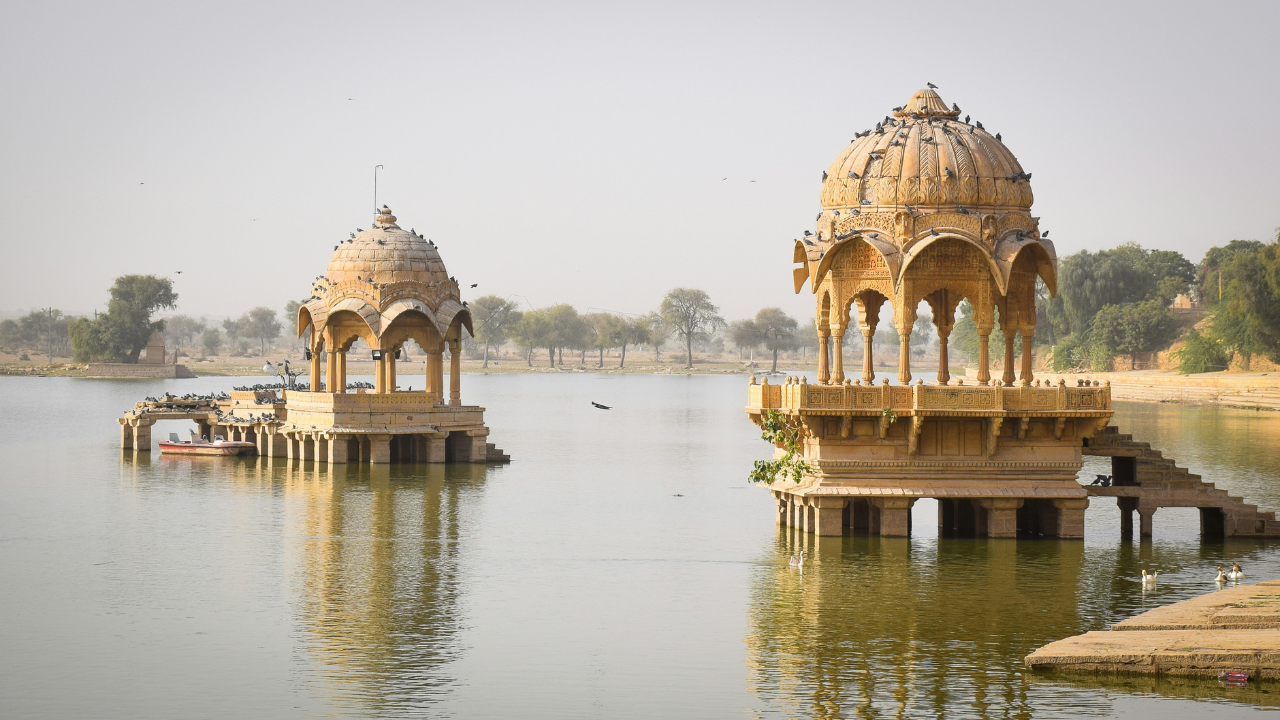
(1236, 628)
(1245, 390)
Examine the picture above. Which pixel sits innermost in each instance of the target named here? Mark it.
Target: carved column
(837, 351)
(1008, 377)
(984, 356)
(379, 374)
(868, 357)
(340, 385)
(331, 371)
(315, 369)
(455, 372)
(435, 372)
(824, 371)
(904, 357)
(944, 363)
(390, 360)
(1027, 338)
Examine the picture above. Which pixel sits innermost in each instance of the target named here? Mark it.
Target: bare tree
(691, 314)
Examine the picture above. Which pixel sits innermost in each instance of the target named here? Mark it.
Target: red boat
(200, 446)
(1234, 678)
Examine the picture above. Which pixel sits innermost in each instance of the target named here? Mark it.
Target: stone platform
(1232, 629)
(1000, 460)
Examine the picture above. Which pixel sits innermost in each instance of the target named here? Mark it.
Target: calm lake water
(619, 567)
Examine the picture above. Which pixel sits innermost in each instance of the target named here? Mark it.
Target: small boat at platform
(199, 446)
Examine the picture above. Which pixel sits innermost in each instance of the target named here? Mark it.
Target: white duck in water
(1149, 579)
(1221, 576)
(1236, 573)
(798, 560)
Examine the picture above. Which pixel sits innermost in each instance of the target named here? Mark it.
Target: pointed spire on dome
(928, 103)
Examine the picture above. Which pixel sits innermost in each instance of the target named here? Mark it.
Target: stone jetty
(1235, 628)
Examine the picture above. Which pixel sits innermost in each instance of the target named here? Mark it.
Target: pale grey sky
(564, 152)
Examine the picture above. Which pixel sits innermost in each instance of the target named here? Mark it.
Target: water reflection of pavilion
(371, 555)
(880, 627)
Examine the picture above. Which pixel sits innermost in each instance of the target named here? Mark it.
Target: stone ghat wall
(141, 370)
(1250, 391)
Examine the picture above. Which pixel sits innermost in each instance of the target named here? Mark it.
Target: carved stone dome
(924, 156)
(386, 253)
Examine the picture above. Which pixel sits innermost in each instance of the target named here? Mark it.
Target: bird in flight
(177, 272)
(474, 284)
(598, 405)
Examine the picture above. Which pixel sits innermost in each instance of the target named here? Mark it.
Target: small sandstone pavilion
(385, 286)
(927, 207)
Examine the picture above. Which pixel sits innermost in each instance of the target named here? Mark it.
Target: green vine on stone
(777, 430)
(890, 415)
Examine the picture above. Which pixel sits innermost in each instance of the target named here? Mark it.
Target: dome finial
(927, 103)
(385, 217)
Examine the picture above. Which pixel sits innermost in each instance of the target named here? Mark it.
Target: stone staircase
(495, 455)
(1145, 480)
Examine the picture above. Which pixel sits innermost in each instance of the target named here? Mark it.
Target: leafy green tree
(777, 429)
(261, 323)
(631, 331)
(211, 341)
(1201, 353)
(1132, 328)
(531, 332)
(691, 315)
(1212, 276)
(659, 332)
(124, 330)
(605, 329)
(494, 317)
(1248, 318)
(566, 330)
(744, 334)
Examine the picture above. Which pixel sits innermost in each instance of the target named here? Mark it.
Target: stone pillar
(142, 437)
(868, 355)
(126, 435)
(797, 513)
(380, 374)
(904, 356)
(810, 516)
(315, 370)
(379, 449)
(1144, 520)
(1027, 339)
(1008, 377)
(894, 516)
(1127, 505)
(824, 347)
(436, 443)
(830, 516)
(455, 372)
(341, 385)
(331, 372)
(338, 446)
(480, 448)
(291, 447)
(263, 441)
(1070, 521)
(984, 356)
(306, 448)
(837, 354)
(1002, 516)
(944, 363)
(435, 373)
(390, 360)
(780, 501)
(322, 448)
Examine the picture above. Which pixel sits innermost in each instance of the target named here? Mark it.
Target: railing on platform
(796, 394)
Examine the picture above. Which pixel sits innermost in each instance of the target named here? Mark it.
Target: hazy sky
(575, 152)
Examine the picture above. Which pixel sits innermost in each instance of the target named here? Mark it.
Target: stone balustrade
(797, 395)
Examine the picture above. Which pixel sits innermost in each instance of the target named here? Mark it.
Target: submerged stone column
(455, 372)
(1144, 520)
(830, 516)
(1002, 516)
(380, 449)
(437, 447)
(126, 435)
(338, 449)
(894, 516)
(1070, 521)
(142, 437)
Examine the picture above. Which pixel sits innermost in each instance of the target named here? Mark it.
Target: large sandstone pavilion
(928, 207)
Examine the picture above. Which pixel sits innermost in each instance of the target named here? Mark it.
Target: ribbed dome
(926, 157)
(386, 253)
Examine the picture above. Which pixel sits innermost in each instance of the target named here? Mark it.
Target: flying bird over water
(474, 284)
(598, 405)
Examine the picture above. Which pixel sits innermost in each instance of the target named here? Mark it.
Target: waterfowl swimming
(1149, 579)
(1221, 577)
(798, 560)
(1236, 573)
